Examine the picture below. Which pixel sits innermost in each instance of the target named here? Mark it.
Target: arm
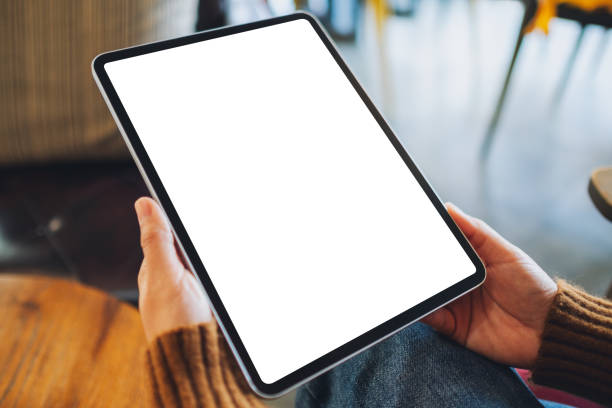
(576, 350)
(192, 366)
(521, 317)
(187, 362)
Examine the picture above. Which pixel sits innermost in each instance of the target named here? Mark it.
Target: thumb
(490, 246)
(156, 237)
(442, 320)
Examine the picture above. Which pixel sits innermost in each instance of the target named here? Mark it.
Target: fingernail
(143, 209)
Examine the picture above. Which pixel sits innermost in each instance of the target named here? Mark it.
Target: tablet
(311, 230)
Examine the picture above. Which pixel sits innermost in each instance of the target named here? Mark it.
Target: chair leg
(568, 70)
(603, 44)
(486, 144)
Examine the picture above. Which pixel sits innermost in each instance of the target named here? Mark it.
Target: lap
(417, 367)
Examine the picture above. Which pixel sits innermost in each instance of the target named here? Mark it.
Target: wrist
(161, 316)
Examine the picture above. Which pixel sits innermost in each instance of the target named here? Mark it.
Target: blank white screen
(310, 225)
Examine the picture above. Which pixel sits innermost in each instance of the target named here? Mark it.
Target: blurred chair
(600, 191)
(601, 17)
(67, 185)
(50, 107)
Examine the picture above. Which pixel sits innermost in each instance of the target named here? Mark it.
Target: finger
(156, 237)
(441, 321)
(490, 246)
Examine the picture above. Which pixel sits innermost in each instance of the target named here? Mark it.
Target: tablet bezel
(342, 353)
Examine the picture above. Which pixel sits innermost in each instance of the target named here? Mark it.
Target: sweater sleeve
(576, 350)
(193, 367)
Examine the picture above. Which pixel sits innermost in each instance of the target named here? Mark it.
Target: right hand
(503, 319)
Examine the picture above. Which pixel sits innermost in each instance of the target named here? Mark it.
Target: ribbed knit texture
(576, 351)
(193, 367)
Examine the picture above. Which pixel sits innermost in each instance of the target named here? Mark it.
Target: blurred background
(504, 104)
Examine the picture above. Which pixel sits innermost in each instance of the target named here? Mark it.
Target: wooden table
(64, 344)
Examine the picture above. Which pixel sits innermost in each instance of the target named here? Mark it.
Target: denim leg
(417, 367)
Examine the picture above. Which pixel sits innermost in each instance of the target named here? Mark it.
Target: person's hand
(169, 297)
(502, 319)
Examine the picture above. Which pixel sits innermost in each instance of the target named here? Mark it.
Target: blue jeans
(418, 368)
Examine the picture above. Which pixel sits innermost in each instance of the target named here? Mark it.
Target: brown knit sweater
(576, 351)
(192, 366)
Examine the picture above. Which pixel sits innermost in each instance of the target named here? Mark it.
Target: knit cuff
(576, 350)
(192, 366)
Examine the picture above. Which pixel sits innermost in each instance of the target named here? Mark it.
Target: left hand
(170, 296)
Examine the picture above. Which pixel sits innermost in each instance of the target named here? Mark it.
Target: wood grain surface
(64, 344)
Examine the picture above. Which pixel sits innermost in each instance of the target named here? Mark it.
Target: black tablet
(311, 230)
